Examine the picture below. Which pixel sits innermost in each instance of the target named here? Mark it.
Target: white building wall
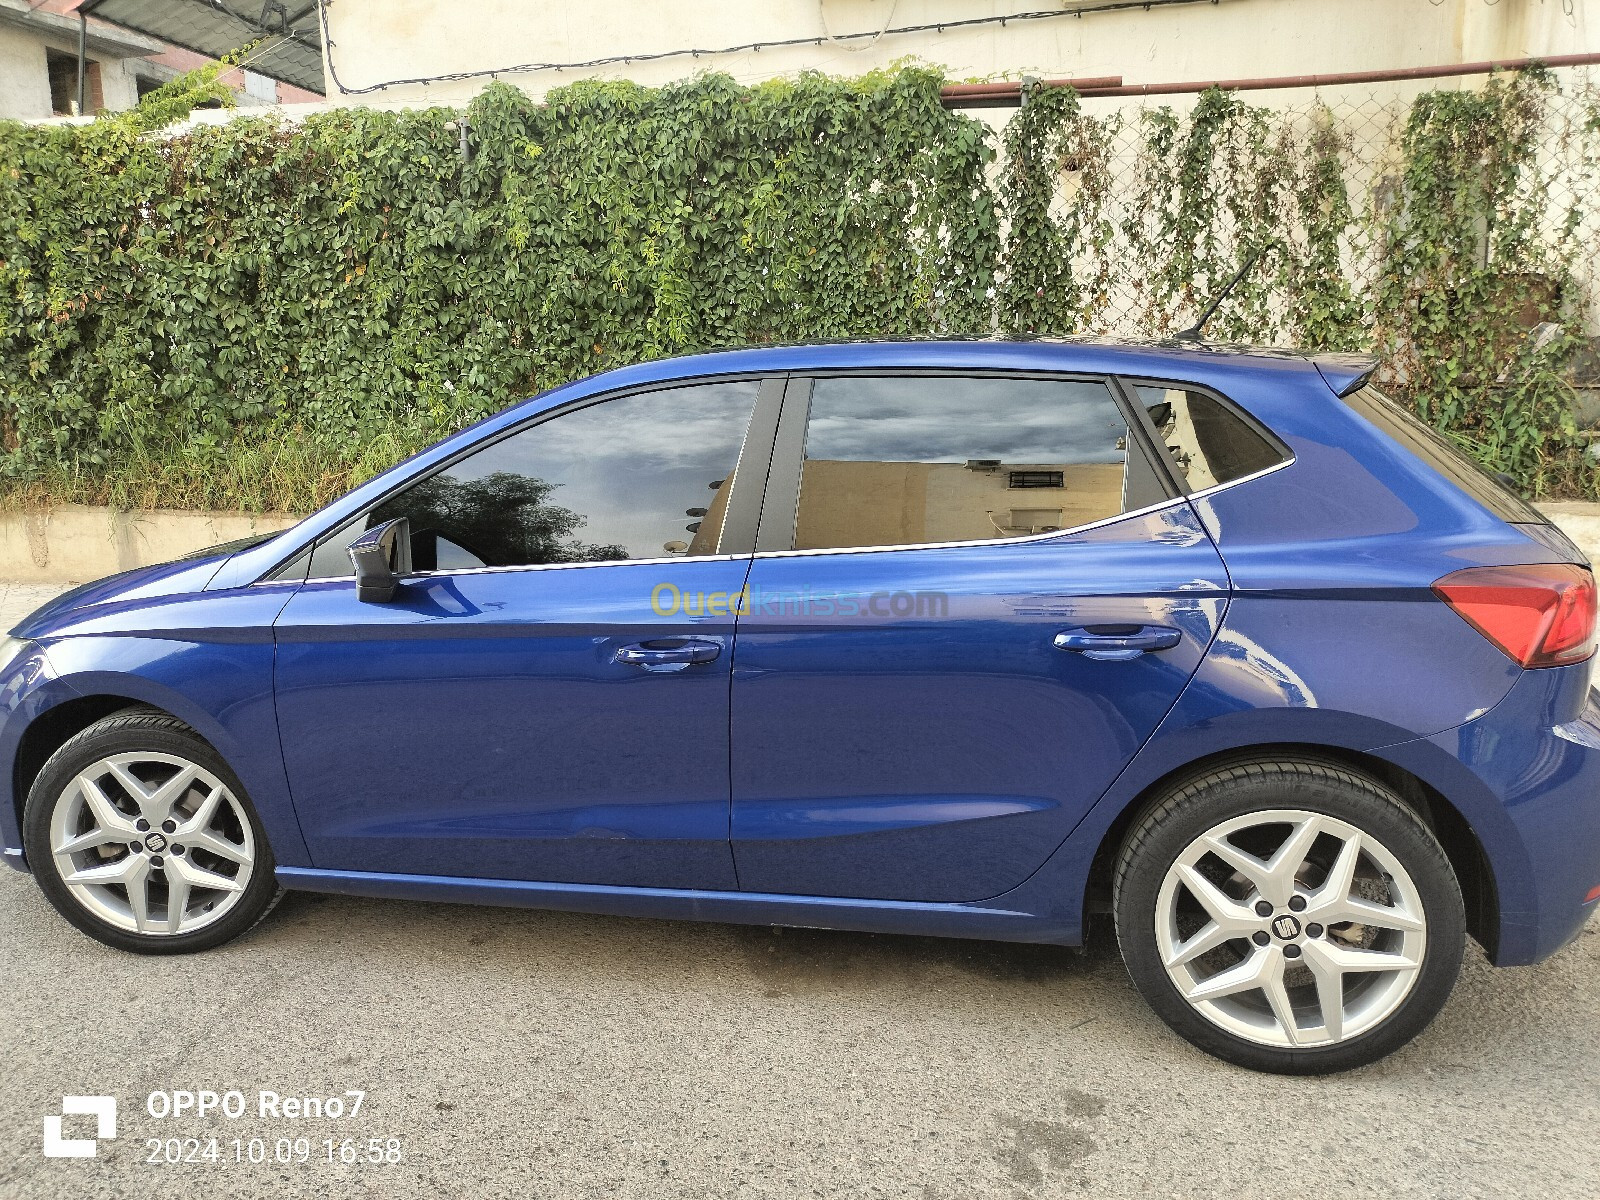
(119, 83)
(377, 42)
(24, 79)
(25, 73)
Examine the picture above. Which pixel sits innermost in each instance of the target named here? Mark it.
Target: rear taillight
(1541, 615)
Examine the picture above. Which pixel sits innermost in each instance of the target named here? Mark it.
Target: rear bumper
(1526, 776)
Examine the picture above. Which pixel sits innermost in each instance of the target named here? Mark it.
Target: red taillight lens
(1542, 615)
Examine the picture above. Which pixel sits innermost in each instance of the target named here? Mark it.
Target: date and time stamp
(179, 1128)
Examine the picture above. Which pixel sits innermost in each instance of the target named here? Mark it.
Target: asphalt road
(551, 1055)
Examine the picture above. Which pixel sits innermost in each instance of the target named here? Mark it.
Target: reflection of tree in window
(502, 519)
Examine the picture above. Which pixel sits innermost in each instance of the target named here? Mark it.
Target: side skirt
(742, 908)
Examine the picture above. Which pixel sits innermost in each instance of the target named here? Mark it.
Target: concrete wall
(24, 79)
(1233, 38)
(25, 75)
(73, 543)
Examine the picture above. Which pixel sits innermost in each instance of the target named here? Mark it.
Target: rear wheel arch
(1461, 845)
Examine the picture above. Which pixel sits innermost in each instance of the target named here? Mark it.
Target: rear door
(973, 599)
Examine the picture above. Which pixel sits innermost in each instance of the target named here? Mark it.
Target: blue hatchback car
(975, 639)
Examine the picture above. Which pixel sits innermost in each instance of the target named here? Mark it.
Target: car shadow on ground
(786, 960)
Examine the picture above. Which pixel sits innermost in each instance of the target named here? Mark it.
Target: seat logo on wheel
(155, 843)
(1286, 927)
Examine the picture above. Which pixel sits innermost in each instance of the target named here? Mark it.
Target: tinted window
(1210, 443)
(905, 461)
(1419, 438)
(643, 476)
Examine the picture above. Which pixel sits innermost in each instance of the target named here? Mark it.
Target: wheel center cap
(156, 843)
(1286, 927)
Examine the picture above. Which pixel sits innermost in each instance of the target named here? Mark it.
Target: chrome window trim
(1222, 487)
(1267, 434)
(1029, 537)
(1288, 461)
(1037, 537)
(634, 562)
(562, 566)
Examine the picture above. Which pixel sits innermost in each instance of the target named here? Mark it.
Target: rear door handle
(1117, 643)
(656, 656)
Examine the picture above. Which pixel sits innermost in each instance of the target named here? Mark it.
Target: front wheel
(1289, 916)
(140, 835)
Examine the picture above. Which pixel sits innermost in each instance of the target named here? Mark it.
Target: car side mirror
(381, 557)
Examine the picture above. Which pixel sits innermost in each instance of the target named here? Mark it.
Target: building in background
(39, 54)
(425, 52)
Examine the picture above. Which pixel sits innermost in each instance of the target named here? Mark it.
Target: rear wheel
(1289, 916)
(140, 835)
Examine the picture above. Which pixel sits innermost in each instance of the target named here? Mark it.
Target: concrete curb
(74, 542)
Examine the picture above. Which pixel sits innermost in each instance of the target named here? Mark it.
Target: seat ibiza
(971, 639)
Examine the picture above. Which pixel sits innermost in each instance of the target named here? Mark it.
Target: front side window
(642, 476)
(898, 461)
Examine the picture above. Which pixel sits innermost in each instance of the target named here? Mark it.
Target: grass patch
(283, 470)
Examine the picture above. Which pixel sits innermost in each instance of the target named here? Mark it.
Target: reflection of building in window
(705, 537)
(1036, 479)
(1210, 444)
(1181, 436)
(906, 503)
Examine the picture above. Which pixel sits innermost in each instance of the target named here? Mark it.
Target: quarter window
(895, 461)
(1210, 443)
(642, 476)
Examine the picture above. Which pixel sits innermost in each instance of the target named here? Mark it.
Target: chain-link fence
(1161, 203)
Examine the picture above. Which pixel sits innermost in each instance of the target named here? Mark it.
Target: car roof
(1098, 355)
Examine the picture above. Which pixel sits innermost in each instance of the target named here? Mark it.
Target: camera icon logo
(102, 1108)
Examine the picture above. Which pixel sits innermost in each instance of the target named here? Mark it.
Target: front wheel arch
(54, 728)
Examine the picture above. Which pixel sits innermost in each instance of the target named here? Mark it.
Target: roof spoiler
(1345, 372)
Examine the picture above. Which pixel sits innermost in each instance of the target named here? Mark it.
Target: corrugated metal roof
(218, 27)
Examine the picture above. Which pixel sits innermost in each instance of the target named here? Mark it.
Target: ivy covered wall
(257, 315)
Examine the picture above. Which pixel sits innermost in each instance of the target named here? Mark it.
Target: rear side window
(1418, 437)
(1210, 443)
(917, 460)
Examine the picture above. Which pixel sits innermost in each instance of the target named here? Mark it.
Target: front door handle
(667, 656)
(1117, 643)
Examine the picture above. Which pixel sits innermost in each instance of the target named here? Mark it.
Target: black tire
(1174, 821)
(130, 731)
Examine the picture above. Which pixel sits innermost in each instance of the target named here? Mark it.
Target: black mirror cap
(381, 557)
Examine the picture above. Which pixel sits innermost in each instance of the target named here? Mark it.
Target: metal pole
(83, 56)
(1009, 95)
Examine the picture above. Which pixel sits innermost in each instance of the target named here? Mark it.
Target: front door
(547, 698)
(973, 601)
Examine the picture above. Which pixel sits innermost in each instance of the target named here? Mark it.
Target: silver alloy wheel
(1290, 928)
(152, 843)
